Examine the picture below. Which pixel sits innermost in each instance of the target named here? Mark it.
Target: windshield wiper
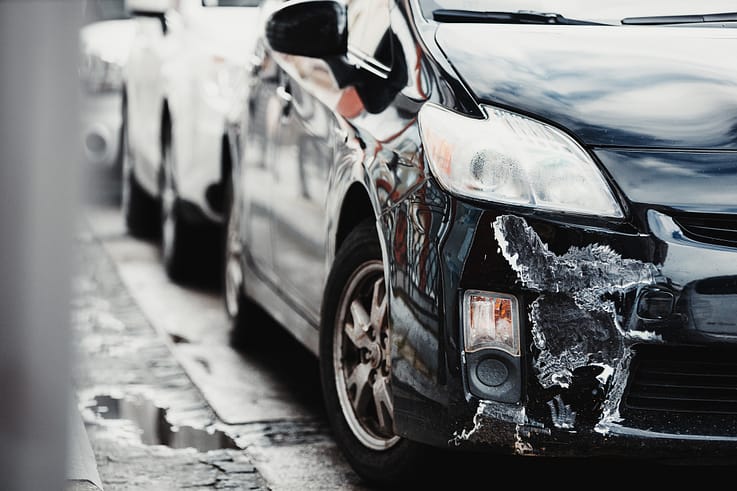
(680, 19)
(521, 17)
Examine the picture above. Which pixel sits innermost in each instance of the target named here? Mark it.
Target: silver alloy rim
(362, 358)
(233, 272)
(168, 200)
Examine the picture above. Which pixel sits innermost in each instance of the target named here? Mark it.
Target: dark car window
(369, 31)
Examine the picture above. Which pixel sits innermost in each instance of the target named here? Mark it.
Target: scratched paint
(575, 322)
(493, 422)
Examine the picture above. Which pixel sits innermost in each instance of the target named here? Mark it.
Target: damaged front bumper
(628, 335)
(622, 350)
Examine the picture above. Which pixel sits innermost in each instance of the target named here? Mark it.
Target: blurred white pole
(39, 159)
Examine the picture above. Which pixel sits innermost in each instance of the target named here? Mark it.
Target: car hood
(633, 87)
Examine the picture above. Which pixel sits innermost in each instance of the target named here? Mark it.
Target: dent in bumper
(575, 320)
(584, 325)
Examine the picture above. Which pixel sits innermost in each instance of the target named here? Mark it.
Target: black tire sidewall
(141, 210)
(178, 262)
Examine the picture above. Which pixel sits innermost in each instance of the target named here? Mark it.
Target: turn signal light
(490, 321)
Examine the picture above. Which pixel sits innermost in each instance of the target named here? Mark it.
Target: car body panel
(598, 297)
(654, 87)
(194, 71)
(691, 181)
(303, 159)
(107, 42)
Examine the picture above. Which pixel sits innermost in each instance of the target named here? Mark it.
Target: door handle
(283, 94)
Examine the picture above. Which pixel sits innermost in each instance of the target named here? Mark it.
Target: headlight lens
(510, 158)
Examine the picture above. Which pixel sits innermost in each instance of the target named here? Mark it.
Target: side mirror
(150, 8)
(313, 28)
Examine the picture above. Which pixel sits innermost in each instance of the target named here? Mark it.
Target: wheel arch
(218, 196)
(165, 128)
(355, 208)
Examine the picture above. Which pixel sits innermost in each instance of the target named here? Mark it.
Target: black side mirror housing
(312, 28)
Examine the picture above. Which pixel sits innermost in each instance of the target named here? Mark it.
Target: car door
(144, 90)
(309, 129)
(302, 160)
(264, 110)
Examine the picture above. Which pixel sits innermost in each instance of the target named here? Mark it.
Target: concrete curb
(82, 471)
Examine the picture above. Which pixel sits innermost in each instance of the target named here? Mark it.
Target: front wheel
(355, 364)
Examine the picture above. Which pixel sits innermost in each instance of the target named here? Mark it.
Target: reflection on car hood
(638, 87)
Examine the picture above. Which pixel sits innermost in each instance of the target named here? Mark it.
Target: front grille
(715, 229)
(685, 380)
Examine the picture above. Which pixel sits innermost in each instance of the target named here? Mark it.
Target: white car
(104, 42)
(184, 76)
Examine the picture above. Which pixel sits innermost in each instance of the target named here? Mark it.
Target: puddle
(155, 429)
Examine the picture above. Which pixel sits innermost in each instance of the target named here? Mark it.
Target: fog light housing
(491, 345)
(655, 304)
(490, 321)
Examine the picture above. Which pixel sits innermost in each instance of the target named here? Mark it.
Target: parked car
(104, 41)
(498, 229)
(181, 84)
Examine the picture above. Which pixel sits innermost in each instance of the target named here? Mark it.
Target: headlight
(100, 75)
(509, 158)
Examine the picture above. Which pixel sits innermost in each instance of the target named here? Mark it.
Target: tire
(356, 287)
(139, 210)
(178, 237)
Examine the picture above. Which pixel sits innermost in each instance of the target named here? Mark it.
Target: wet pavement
(148, 425)
(170, 399)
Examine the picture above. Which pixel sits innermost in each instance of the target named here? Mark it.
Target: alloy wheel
(362, 358)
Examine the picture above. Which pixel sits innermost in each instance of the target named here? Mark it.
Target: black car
(498, 229)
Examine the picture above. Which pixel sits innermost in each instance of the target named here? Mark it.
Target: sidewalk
(82, 474)
(141, 423)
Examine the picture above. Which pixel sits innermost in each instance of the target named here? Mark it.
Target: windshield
(590, 10)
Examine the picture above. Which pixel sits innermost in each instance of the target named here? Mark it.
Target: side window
(369, 32)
